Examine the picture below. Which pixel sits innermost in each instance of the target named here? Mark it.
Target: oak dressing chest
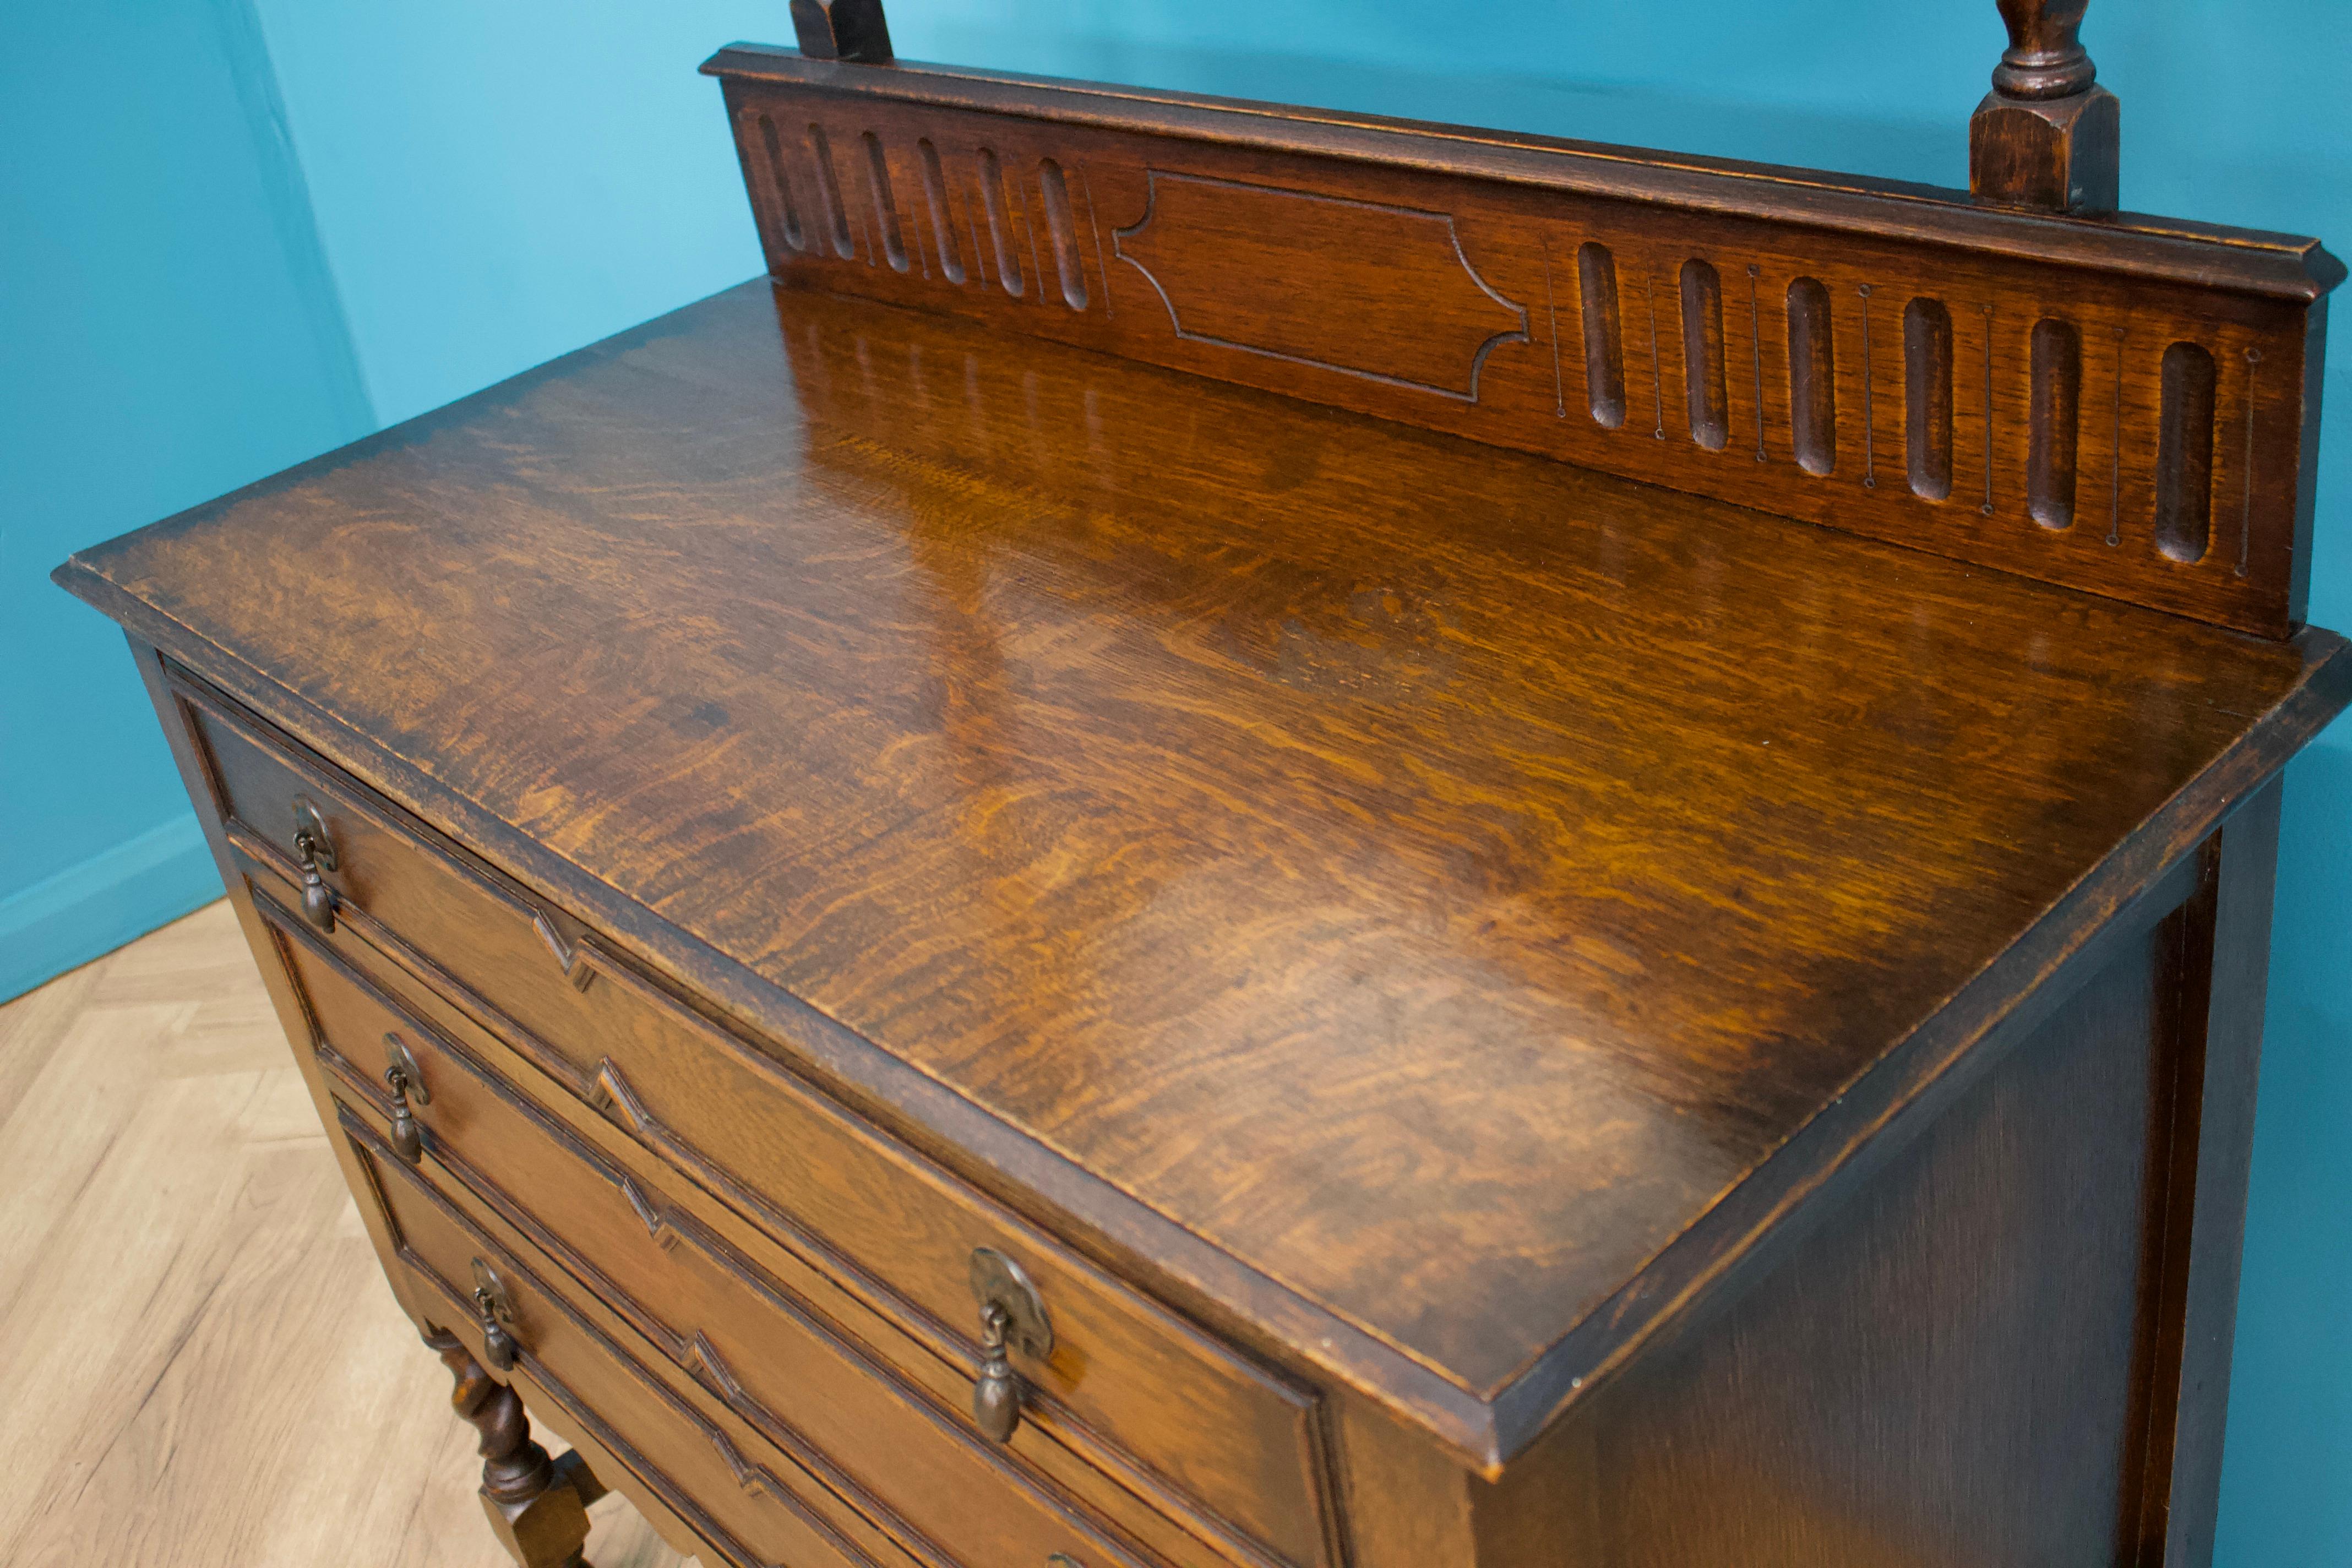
(1241, 837)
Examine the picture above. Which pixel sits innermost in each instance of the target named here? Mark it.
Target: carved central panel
(1378, 291)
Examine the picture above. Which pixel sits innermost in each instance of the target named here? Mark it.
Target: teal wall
(234, 235)
(168, 329)
(497, 183)
(269, 223)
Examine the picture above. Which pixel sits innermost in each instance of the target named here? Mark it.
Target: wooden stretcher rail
(2123, 405)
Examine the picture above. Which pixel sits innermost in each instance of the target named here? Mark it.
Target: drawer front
(794, 1378)
(341, 978)
(893, 1227)
(721, 1483)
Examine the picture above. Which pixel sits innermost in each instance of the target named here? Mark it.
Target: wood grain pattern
(1976, 1354)
(1226, 1431)
(807, 1383)
(2014, 1233)
(1597, 848)
(1051, 1441)
(1303, 254)
(205, 1365)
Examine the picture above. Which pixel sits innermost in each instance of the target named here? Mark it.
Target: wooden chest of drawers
(949, 949)
(625, 1140)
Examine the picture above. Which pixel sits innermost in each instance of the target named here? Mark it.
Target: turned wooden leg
(538, 1506)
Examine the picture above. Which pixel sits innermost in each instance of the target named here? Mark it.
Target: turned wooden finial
(2045, 57)
(2046, 136)
(843, 30)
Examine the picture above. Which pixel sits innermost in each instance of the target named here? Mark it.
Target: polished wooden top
(1388, 888)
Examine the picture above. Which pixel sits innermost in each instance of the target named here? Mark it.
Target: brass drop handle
(406, 1081)
(996, 1396)
(1010, 1313)
(315, 850)
(490, 1300)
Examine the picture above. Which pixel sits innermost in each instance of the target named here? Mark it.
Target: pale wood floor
(201, 1363)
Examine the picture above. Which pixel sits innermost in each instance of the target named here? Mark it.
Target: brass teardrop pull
(996, 1396)
(498, 1343)
(314, 850)
(406, 1081)
(1010, 1313)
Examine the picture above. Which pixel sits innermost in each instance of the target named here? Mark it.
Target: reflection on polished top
(1432, 875)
